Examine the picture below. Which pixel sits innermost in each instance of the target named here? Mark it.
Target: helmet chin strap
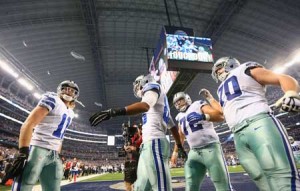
(139, 94)
(223, 76)
(67, 98)
(183, 108)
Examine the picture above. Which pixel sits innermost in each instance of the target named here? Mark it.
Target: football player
(38, 157)
(260, 139)
(195, 124)
(295, 148)
(153, 171)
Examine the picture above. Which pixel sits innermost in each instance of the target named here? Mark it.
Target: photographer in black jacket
(131, 147)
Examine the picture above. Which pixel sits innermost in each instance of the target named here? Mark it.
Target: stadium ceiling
(103, 45)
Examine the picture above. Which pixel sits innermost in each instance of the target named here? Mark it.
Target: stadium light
(13, 104)
(8, 69)
(280, 69)
(37, 95)
(292, 59)
(25, 83)
(295, 60)
(11, 118)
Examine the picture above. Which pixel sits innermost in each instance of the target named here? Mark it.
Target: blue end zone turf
(240, 182)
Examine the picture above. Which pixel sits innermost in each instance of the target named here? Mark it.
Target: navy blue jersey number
(63, 125)
(233, 84)
(193, 119)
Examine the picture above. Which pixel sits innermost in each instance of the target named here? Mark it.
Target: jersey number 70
(230, 88)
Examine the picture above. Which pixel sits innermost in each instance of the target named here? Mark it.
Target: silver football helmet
(187, 101)
(68, 86)
(228, 63)
(291, 139)
(140, 82)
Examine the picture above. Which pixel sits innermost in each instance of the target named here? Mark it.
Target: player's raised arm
(211, 100)
(212, 114)
(291, 99)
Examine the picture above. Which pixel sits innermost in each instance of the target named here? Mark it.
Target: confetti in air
(77, 56)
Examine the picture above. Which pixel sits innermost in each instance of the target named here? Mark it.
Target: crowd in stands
(16, 99)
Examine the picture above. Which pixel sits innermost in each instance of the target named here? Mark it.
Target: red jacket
(136, 141)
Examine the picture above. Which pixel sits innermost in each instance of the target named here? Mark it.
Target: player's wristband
(207, 117)
(118, 111)
(24, 150)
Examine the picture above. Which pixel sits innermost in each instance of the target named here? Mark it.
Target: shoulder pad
(252, 65)
(152, 86)
(48, 100)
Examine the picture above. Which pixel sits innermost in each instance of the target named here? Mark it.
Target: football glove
(18, 165)
(290, 102)
(106, 115)
(181, 152)
(206, 94)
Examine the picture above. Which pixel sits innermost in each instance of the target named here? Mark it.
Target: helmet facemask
(139, 83)
(291, 139)
(68, 90)
(181, 101)
(137, 88)
(228, 63)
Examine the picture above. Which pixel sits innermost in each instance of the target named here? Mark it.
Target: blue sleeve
(153, 87)
(47, 101)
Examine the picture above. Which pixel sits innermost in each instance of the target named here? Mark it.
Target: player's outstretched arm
(133, 109)
(291, 99)
(212, 114)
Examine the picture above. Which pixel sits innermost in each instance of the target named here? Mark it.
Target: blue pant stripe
(288, 152)
(227, 173)
(17, 183)
(156, 165)
(163, 166)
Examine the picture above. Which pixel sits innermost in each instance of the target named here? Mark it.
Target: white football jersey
(157, 119)
(296, 151)
(241, 96)
(50, 131)
(198, 133)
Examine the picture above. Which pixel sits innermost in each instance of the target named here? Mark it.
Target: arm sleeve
(153, 87)
(47, 101)
(150, 97)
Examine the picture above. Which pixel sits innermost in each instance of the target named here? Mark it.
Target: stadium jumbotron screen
(188, 48)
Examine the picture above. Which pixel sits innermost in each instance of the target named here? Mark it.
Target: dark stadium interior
(103, 45)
